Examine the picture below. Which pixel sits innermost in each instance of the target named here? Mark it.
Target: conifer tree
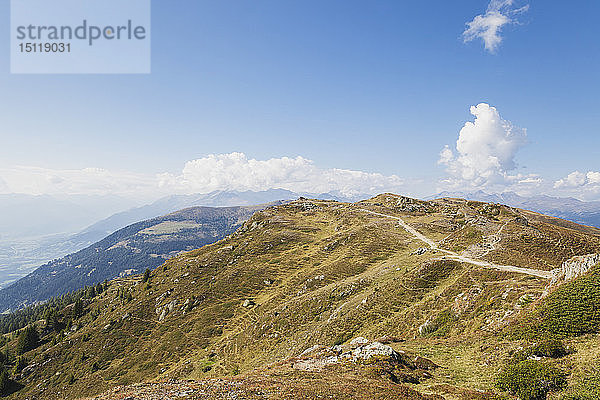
(20, 363)
(28, 340)
(146, 277)
(5, 382)
(78, 308)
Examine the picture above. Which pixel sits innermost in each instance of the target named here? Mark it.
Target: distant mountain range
(50, 228)
(587, 213)
(219, 198)
(129, 250)
(23, 215)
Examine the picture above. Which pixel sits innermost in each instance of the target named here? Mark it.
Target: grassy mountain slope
(322, 273)
(132, 249)
(34, 244)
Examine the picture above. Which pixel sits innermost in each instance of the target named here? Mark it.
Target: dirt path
(458, 257)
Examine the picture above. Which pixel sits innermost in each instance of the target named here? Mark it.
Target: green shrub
(95, 367)
(342, 338)
(549, 348)
(78, 308)
(530, 380)
(572, 310)
(526, 300)
(52, 321)
(146, 276)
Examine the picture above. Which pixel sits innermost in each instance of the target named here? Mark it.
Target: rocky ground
(361, 369)
(173, 389)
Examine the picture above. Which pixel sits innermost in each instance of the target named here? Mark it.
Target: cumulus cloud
(488, 26)
(582, 185)
(485, 152)
(578, 179)
(234, 171)
(593, 177)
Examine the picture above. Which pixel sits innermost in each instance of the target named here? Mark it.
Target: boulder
(374, 349)
(248, 303)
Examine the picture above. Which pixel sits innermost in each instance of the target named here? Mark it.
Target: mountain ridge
(324, 273)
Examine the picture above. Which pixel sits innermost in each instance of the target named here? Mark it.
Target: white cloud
(582, 185)
(488, 26)
(485, 153)
(578, 179)
(234, 171)
(92, 181)
(593, 178)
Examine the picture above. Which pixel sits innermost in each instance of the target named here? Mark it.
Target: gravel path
(458, 257)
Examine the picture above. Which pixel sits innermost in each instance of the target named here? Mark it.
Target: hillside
(21, 255)
(130, 250)
(446, 292)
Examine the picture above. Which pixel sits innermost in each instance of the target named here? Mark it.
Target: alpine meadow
(299, 200)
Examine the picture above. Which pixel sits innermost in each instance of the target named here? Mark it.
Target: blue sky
(379, 87)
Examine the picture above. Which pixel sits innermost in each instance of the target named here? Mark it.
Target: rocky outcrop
(366, 356)
(576, 266)
(163, 311)
(420, 251)
(369, 350)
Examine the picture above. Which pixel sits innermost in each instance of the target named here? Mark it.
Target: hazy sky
(342, 95)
